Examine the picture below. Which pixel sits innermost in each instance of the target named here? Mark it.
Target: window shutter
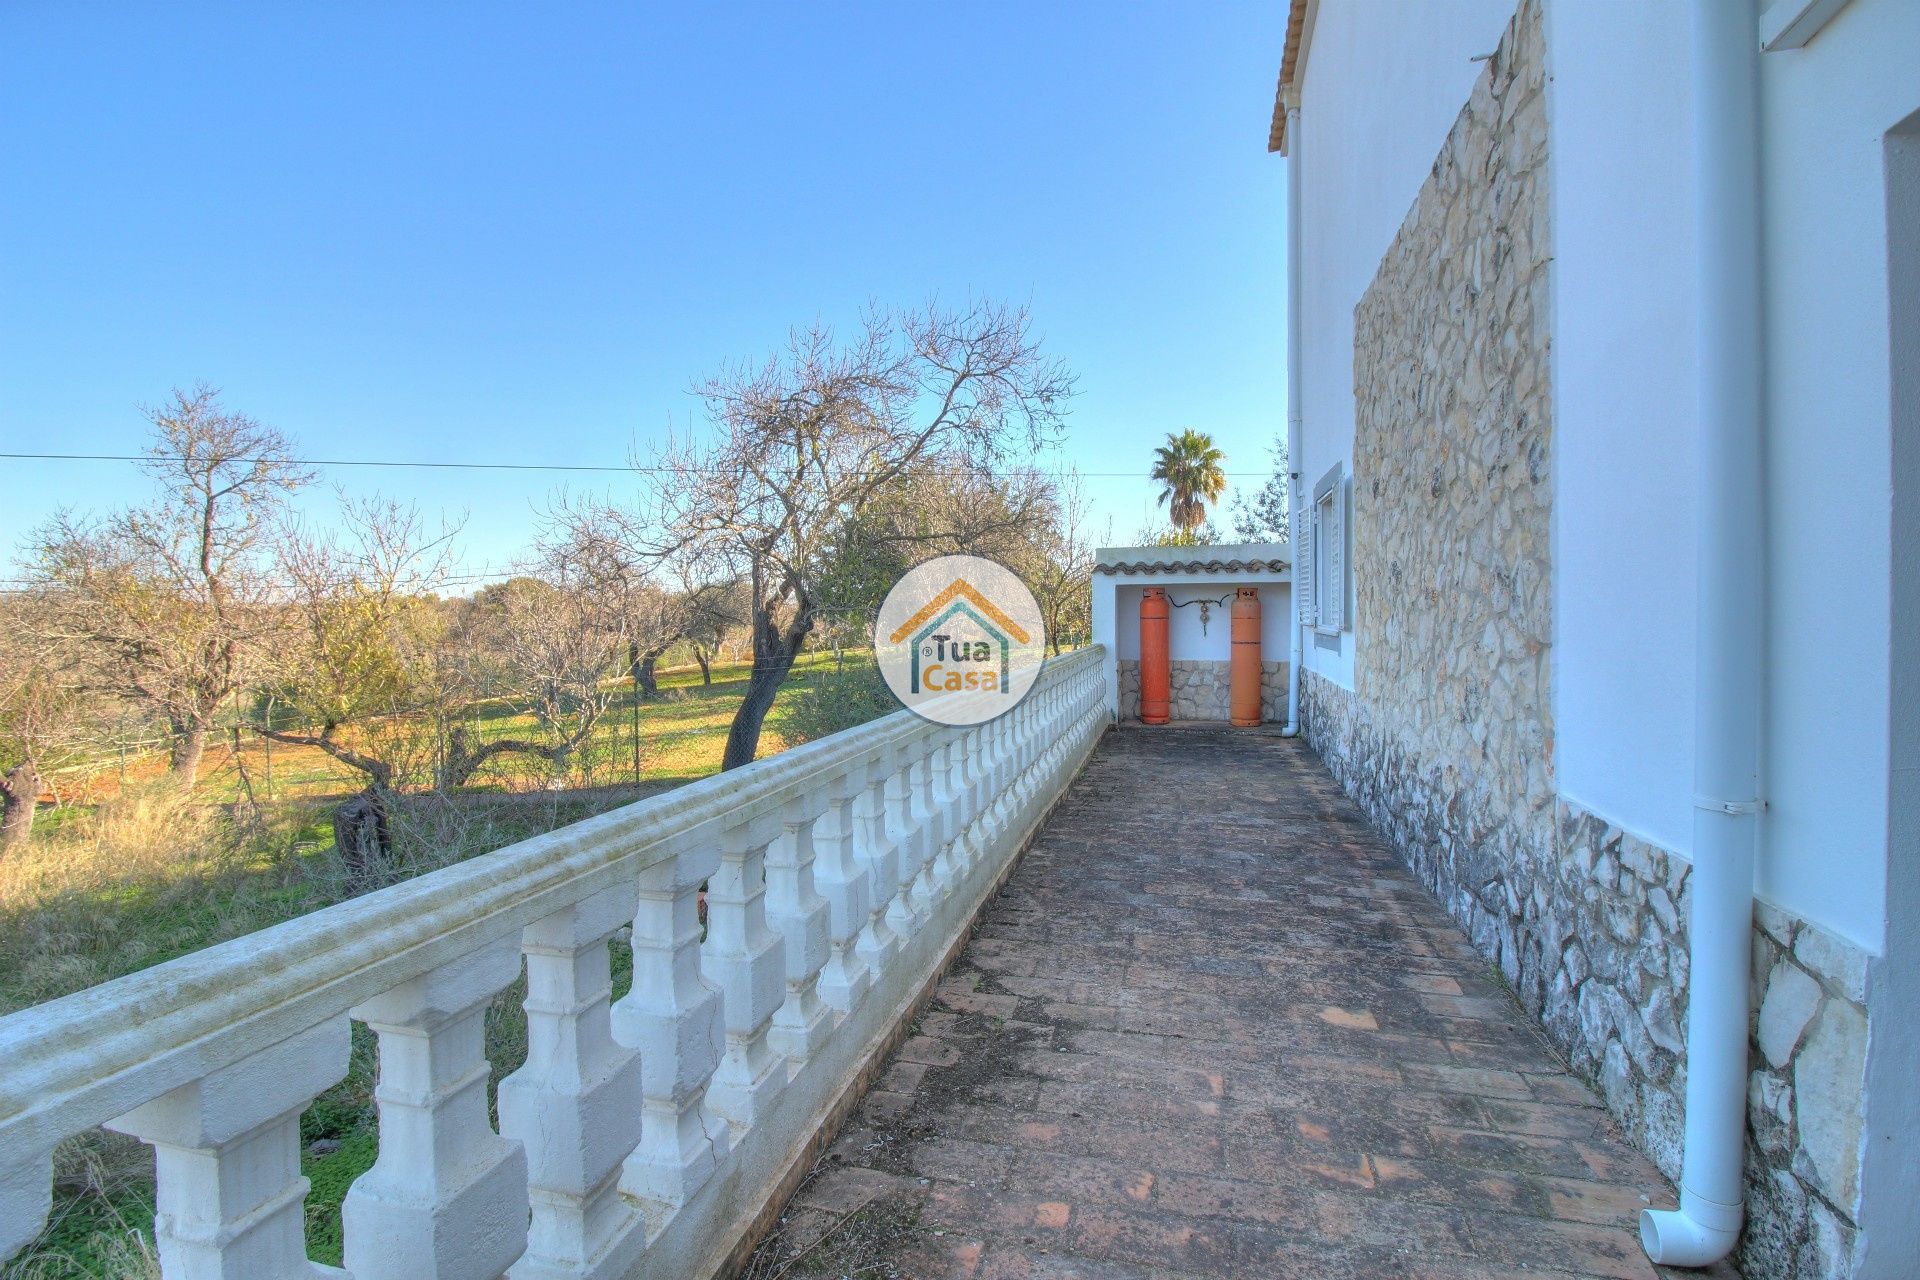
(1303, 565)
(1335, 614)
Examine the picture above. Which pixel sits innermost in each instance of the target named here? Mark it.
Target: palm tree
(1189, 469)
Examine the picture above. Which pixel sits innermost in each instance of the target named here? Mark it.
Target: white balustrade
(844, 880)
(226, 1157)
(799, 915)
(916, 838)
(971, 789)
(641, 1136)
(897, 801)
(748, 961)
(672, 1015)
(447, 1196)
(879, 853)
(576, 1103)
(942, 821)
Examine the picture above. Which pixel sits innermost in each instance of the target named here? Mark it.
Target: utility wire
(528, 466)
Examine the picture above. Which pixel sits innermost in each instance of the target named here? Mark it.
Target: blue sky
(518, 233)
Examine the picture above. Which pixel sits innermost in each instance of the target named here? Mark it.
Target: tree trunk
(20, 797)
(640, 667)
(773, 654)
(189, 744)
(364, 838)
(705, 660)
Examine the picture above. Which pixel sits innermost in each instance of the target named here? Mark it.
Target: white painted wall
(1826, 111)
(1893, 1056)
(1187, 639)
(1621, 157)
(1624, 422)
(1381, 84)
(1379, 96)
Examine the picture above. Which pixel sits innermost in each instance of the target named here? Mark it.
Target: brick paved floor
(1211, 1027)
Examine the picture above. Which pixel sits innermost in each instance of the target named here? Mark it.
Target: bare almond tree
(1057, 565)
(713, 609)
(804, 440)
(655, 621)
(362, 634)
(660, 600)
(38, 708)
(555, 637)
(167, 603)
(359, 660)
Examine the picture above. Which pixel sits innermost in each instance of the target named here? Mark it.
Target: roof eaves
(1192, 566)
(1289, 66)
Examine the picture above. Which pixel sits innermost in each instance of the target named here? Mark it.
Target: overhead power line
(606, 468)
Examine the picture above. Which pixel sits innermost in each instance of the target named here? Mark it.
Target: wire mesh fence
(675, 733)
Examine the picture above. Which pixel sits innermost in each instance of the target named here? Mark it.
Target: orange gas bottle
(1244, 674)
(1154, 675)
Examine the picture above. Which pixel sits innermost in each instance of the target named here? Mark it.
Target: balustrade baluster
(994, 816)
(942, 818)
(905, 814)
(1044, 742)
(576, 1104)
(748, 960)
(26, 1197)
(1015, 767)
(1018, 759)
(974, 796)
(966, 750)
(842, 877)
(927, 887)
(876, 850)
(447, 1197)
(999, 776)
(672, 1016)
(799, 914)
(229, 1198)
(1012, 765)
(1039, 741)
(1057, 741)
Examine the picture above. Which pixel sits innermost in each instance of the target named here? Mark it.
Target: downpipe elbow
(1697, 1234)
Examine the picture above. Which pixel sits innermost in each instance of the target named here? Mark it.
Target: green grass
(682, 732)
(102, 1220)
(330, 1176)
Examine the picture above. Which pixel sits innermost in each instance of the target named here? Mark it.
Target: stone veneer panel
(1199, 689)
(1447, 739)
(1452, 513)
(1592, 937)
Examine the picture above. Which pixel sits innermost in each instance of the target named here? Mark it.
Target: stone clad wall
(1591, 934)
(1446, 741)
(1199, 689)
(1805, 1091)
(1452, 507)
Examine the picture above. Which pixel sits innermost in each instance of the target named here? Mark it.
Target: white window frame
(1325, 555)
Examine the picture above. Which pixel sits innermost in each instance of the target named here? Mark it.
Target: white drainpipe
(1294, 513)
(1727, 808)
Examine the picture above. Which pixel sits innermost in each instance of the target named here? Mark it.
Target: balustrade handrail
(82, 1060)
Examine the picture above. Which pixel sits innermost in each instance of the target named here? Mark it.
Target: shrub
(837, 698)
